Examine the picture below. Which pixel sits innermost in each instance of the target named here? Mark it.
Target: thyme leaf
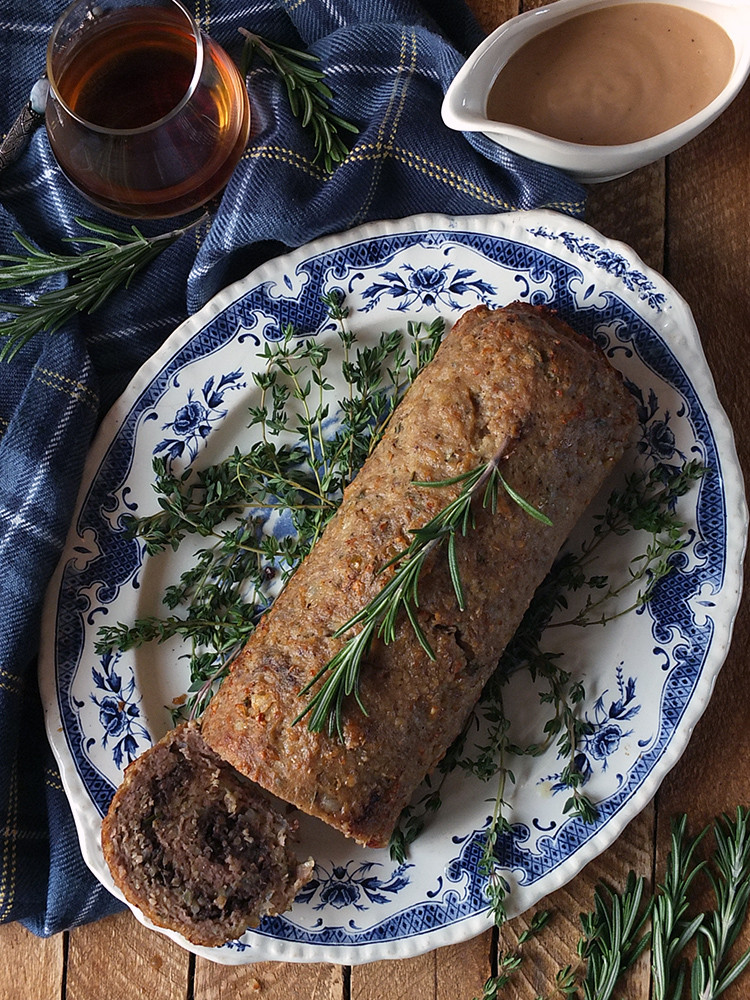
(509, 962)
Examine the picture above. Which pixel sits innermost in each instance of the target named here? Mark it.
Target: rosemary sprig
(114, 257)
(614, 933)
(672, 929)
(340, 676)
(613, 936)
(713, 970)
(309, 96)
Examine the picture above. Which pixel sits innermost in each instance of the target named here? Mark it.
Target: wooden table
(689, 218)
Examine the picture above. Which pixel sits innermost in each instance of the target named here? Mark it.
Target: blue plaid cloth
(389, 63)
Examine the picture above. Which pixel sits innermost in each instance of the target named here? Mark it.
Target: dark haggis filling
(196, 845)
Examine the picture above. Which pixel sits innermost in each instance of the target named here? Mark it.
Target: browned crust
(515, 378)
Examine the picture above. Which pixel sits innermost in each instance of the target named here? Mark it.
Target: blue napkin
(389, 63)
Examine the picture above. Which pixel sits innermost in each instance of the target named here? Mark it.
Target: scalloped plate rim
(498, 226)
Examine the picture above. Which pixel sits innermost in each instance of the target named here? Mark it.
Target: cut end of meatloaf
(196, 846)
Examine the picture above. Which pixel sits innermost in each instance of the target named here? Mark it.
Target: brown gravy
(614, 75)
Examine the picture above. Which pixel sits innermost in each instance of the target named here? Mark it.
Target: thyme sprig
(308, 94)
(509, 961)
(400, 595)
(296, 467)
(493, 757)
(113, 259)
(646, 502)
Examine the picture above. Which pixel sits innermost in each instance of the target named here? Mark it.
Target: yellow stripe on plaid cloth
(291, 157)
(392, 114)
(52, 780)
(381, 151)
(460, 183)
(9, 682)
(76, 390)
(9, 847)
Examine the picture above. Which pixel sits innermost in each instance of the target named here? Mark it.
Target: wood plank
(268, 981)
(31, 968)
(118, 958)
(453, 972)
(491, 13)
(462, 969)
(398, 979)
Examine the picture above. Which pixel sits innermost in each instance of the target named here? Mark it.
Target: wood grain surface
(689, 218)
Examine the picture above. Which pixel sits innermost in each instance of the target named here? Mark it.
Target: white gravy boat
(465, 103)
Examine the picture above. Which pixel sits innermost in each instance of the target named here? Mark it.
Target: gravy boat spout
(465, 104)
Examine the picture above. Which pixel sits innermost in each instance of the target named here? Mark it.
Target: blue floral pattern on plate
(119, 714)
(415, 289)
(646, 682)
(352, 885)
(192, 423)
(605, 732)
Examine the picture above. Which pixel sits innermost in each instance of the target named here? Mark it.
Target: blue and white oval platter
(647, 676)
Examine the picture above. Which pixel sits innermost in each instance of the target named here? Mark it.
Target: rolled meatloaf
(195, 845)
(516, 383)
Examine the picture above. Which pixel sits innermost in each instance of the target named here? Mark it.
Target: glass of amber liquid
(146, 115)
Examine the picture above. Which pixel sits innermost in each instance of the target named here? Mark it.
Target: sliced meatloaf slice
(196, 846)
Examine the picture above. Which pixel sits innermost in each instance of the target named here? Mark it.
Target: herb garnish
(299, 467)
(112, 261)
(116, 256)
(340, 676)
(646, 503)
(308, 95)
(226, 589)
(613, 934)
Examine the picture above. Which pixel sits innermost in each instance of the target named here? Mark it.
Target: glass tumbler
(146, 115)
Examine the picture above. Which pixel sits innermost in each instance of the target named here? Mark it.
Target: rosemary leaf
(729, 874)
(672, 930)
(112, 260)
(307, 93)
(613, 936)
(400, 592)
